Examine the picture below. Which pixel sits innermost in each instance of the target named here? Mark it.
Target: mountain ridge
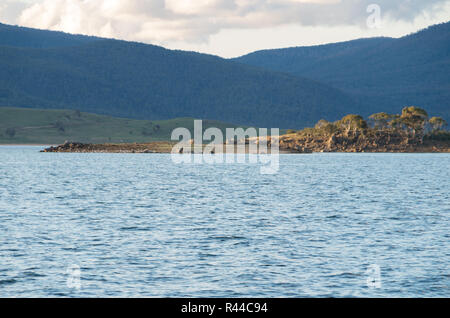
(136, 80)
(286, 88)
(381, 73)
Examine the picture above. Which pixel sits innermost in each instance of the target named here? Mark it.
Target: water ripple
(142, 226)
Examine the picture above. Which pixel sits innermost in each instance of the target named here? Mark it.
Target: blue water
(139, 225)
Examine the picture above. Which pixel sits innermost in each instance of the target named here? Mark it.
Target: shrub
(381, 120)
(60, 126)
(10, 132)
(321, 123)
(350, 122)
(437, 123)
(438, 135)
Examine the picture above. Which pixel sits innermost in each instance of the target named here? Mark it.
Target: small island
(408, 132)
(412, 131)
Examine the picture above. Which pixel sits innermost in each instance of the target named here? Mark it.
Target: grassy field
(39, 126)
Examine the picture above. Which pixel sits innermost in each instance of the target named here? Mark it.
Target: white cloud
(187, 7)
(195, 22)
(10, 10)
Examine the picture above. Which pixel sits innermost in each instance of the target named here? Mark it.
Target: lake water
(327, 225)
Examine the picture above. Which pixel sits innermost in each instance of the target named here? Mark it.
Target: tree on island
(396, 122)
(415, 119)
(353, 122)
(437, 123)
(381, 120)
(410, 125)
(326, 127)
(321, 124)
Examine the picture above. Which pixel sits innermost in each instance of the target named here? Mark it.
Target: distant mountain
(383, 74)
(44, 69)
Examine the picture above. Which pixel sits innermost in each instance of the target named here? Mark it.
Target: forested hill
(382, 73)
(33, 38)
(44, 69)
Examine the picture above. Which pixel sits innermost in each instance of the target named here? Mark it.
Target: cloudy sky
(228, 27)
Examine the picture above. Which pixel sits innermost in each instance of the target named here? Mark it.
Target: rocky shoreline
(354, 142)
(77, 147)
(154, 147)
(357, 141)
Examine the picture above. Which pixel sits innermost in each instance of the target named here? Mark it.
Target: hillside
(133, 80)
(383, 74)
(32, 38)
(38, 126)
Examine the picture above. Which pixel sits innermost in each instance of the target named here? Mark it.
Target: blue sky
(228, 27)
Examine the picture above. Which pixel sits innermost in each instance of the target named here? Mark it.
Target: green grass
(39, 126)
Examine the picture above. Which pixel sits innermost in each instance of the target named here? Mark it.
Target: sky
(228, 28)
